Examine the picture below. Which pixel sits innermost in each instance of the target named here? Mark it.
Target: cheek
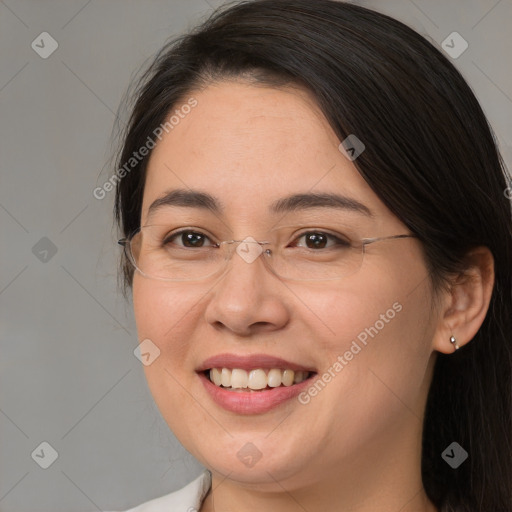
(167, 316)
(376, 334)
(394, 336)
(166, 313)
(358, 309)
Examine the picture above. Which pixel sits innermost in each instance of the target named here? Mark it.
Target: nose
(248, 299)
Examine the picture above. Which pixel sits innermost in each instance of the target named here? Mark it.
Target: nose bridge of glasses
(248, 249)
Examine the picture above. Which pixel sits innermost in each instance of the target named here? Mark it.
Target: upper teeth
(255, 379)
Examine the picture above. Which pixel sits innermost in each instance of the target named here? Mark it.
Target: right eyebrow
(186, 198)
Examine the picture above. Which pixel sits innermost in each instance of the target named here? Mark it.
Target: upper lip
(250, 362)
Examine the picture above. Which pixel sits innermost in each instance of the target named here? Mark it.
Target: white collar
(185, 499)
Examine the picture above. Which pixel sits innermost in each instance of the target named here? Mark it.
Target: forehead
(250, 145)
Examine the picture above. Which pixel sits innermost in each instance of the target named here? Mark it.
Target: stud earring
(453, 341)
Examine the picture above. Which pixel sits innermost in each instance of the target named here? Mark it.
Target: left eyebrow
(319, 200)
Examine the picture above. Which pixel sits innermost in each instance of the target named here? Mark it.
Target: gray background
(67, 369)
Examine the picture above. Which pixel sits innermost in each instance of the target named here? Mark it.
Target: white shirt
(186, 499)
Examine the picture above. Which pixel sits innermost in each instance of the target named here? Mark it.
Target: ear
(464, 305)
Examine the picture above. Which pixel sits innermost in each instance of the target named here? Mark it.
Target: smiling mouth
(256, 380)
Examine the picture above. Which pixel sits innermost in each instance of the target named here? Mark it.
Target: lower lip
(257, 402)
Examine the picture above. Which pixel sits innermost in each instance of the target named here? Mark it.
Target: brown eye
(188, 238)
(320, 240)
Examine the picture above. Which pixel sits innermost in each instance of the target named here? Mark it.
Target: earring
(453, 341)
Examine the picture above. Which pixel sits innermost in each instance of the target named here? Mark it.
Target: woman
(318, 243)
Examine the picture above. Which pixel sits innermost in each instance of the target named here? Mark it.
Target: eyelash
(339, 241)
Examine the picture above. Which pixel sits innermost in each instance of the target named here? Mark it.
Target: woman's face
(366, 336)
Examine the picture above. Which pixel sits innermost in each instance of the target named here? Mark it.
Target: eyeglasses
(181, 255)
